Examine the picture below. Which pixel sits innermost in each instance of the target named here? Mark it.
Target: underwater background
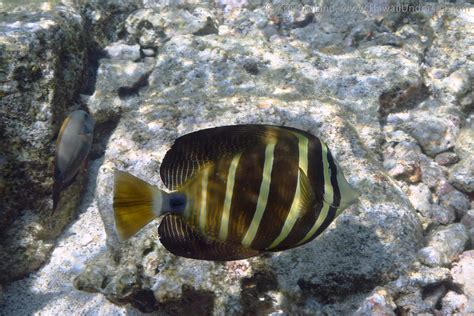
(387, 84)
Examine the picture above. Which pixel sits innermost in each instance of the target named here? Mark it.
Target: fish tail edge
(135, 204)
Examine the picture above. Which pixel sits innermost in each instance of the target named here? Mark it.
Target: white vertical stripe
(224, 229)
(262, 196)
(203, 206)
(295, 208)
(303, 152)
(328, 195)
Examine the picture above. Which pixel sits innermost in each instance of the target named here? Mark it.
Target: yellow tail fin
(134, 201)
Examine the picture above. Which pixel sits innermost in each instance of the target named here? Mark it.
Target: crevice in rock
(192, 302)
(308, 19)
(401, 98)
(94, 53)
(327, 294)
(102, 133)
(208, 29)
(251, 67)
(434, 293)
(133, 90)
(254, 298)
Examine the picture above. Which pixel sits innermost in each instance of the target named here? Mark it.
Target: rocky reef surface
(390, 92)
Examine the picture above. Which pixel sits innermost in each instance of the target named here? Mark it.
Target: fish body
(72, 147)
(238, 191)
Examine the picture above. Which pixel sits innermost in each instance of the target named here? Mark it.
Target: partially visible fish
(238, 191)
(72, 147)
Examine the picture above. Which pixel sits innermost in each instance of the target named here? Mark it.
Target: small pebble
(468, 219)
(431, 257)
(464, 146)
(149, 52)
(442, 215)
(120, 51)
(457, 201)
(468, 222)
(453, 303)
(379, 303)
(458, 82)
(431, 173)
(412, 304)
(449, 240)
(420, 197)
(462, 175)
(446, 159)
(463, 272)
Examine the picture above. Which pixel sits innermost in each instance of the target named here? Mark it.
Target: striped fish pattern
(248, 189)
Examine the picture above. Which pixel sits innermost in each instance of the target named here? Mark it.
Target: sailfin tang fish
(237, 191)
(72, 147)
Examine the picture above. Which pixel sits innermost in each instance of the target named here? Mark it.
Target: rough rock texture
(450, 241)
(42, 60)
(390, 92)
(454, 303)
(463, 272)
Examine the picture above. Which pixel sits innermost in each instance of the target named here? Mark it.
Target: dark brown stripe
(282, 191)
(183, 240)
(336, 199)
(190, 152)
(216, 187)
(193, 195)
(248, 177)
(316, 177)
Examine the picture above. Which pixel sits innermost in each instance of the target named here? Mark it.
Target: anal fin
(183, 240)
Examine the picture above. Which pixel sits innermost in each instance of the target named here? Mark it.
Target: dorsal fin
(183, 240)
(191, 152)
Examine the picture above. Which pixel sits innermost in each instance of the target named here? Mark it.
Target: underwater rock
(449, 240)
(402, 161)
(454, 303)
(420, 290)
(468, 222)
(462, 272)
(464, 146)
(446, 56)
(420, 197)
(119, 82)
(43, 57)
(152, 27)
(434, 134)
(118, 50)
(456, 201)
(458, 83)
(446, 158)
(462, 175)
(413, 303)
(105, 18)
(432, 257)
(442, 215)
(379, 303)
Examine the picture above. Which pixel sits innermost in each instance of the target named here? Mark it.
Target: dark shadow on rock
(102, 134)
(344, 261)
(253, 297)
(20, 298)
(192, 302)
(94, 53)
(402, 98)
